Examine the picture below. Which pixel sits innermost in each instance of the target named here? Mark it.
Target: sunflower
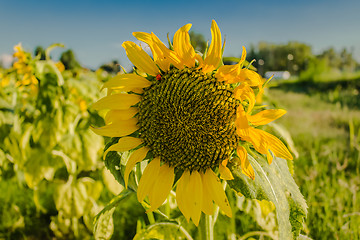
(185, 114)
(24, 67)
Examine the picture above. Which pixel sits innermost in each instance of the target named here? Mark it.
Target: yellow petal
(146, 38)
(162, 187)
(225, 172)
(181, 196)
(243, 55)
(114, 115)
(266, 116)
(118, 129)
(165, 55)
(207, 204)
(183, 47)
(137, 156)
(264, 141)
(124, 144)
(140, 58)
(213, 58)
(117, 101)
(241, 122)
(246, 167)
(244, 92)
(148, 179)
(127, 82)
(250, 77)
(216, 192)
(195, 196)
(228, 73)
(231, 73)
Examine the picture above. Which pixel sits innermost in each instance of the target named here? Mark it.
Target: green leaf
(113, 162)
(76, 196)
(273, 183)
(164, 230)
(46, 67)
(104, 225)
(51, 47)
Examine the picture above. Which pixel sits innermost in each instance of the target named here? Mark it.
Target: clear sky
(95, 30)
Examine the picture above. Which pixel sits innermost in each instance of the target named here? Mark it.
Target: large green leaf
(273, 183)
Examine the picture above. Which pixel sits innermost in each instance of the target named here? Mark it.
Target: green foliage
(292, 57)
(69, 60)
(198, 41)
(273, 183)
(325, 126)
(48, 150)
(53, 176)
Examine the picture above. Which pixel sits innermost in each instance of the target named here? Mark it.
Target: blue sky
(95, 30)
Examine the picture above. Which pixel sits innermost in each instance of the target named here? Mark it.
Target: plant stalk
(206, 228)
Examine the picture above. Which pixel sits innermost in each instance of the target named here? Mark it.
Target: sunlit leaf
(273, 183)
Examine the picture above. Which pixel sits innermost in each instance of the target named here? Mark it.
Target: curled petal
(250, 77)
(241, 122)
(225, 172)
(244, 92)
(140, 58)
(213, 58)
(246, 167)
(231, 73)
(166, 56)
(183, 47)
(264, 141)
(266, 116)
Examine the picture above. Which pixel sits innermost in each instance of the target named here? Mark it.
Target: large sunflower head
(184, 112)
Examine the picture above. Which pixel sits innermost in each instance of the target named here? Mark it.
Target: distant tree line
(294, 57)
(298, 59)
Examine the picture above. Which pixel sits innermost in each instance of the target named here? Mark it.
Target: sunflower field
(81, 162)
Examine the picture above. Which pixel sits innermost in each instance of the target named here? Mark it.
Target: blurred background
(52, 179)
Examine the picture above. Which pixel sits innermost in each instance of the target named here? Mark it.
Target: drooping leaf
(273, 183)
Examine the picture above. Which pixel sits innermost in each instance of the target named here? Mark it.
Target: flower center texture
(187, 119)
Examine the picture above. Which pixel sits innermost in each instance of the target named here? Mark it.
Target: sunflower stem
(206, 228)
(151, 217)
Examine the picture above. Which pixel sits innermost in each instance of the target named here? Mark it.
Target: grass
(324, 120)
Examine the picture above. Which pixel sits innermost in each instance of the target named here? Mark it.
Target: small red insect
(158, 77)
